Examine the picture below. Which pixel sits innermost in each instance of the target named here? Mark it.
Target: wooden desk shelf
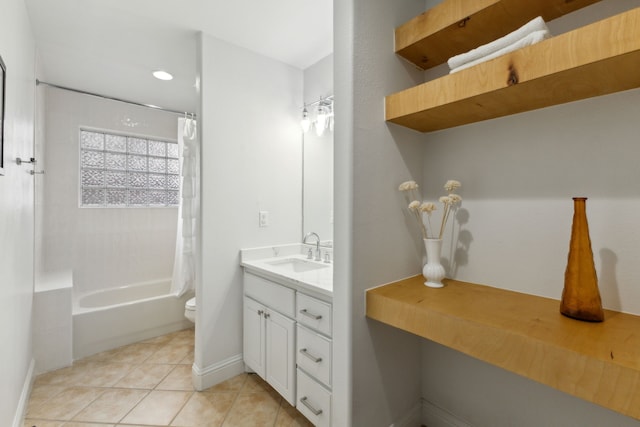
(457, 26)
(598, 59)
(525, 334)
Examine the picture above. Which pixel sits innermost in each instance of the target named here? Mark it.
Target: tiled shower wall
(104, 247)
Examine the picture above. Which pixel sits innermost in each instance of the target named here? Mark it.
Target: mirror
(317, 185)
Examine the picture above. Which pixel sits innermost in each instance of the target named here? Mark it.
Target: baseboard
(21, 410)
(217, 373)
(435, 416)
(410, 419)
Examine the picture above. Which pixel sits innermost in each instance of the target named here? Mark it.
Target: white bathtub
(114, 317)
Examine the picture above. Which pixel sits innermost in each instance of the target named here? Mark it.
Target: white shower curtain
(184, 267)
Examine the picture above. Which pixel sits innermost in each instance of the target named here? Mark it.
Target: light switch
(263, 220)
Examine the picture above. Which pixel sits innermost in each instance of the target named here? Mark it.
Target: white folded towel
(536, 24)
(533, 38)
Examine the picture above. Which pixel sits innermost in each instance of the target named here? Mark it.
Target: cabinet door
(254, 336)
(281, 363)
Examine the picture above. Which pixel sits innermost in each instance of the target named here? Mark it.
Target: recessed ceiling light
(162, 75)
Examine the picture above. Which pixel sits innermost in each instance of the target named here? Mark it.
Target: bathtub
(110, 318)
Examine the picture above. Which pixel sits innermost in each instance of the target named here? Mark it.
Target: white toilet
(190, 309)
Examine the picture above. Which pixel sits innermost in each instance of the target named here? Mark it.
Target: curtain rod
(155, 107)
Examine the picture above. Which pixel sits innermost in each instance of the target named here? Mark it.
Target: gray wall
(376, 375)
(518, 174)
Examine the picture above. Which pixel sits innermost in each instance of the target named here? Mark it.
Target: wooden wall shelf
(456, 26)
(525, 334)
(598, 59)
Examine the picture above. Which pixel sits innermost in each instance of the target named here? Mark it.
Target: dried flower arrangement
(420, 208)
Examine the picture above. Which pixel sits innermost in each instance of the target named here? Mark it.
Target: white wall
(16, 213)
(251, 161)
(105, 247)
(318, 156)
(519, 174)
(376, 376)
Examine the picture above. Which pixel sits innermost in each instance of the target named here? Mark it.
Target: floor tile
(57, 377)
(234, 384)
(170, 353)
(158, 408)
(288, 416)
(258, 409)
(111, 406)
(99, 374)
(74, 424)
(145, 376)
(205, 410)
(134, 353)
(42, 393)
(41, 423)
(67, 404)
(179, 379)
(150, 385)
(183, 337)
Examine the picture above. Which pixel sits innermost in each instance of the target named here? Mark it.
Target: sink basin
(296, 265)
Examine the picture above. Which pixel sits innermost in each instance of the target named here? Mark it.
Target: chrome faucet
(311, 233)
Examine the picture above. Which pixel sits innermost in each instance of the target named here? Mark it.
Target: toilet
(190, 309)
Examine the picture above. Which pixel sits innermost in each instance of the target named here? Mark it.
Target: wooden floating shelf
(598, 59)
(525, 334)
(457, 26)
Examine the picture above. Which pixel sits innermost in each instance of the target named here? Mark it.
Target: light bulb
(321, 120)
(305, 123)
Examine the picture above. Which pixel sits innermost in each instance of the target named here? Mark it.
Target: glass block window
(127, 171)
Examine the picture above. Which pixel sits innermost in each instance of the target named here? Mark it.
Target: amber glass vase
(580, 297)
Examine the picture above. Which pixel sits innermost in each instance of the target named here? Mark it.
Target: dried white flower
(414, 206)
(452, 185)
(428, 207)
(455, 198)
(408, 185)
(446, 200)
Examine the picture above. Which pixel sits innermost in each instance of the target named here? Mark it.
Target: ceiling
(110, 47)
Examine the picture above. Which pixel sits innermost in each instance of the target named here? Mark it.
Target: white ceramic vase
(433, 270)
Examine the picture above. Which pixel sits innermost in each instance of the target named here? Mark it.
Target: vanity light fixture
(162, 75)
(323, 116)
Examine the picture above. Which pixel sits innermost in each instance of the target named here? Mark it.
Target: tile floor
(149, 384)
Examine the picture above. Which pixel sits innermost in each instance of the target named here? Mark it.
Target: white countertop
(263, 261)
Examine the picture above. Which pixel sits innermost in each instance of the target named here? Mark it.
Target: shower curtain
(184, 266)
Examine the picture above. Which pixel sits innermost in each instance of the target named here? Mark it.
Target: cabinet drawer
(277, 297)
(313, 354)
(314, 401)
(314, 313)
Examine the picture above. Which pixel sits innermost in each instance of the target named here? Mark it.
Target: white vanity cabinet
(288, 326)
(269, 333)
(313, 355)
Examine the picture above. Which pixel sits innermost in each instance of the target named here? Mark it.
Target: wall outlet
(263, 218)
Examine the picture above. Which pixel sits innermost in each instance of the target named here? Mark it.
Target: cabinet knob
(267, 315)
(260, 312)
(305, 402)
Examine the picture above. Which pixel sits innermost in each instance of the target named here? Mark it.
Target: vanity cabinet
(287, 342)
(269, 334)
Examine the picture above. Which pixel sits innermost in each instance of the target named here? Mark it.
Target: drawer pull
(304, 312)
(315, 411)
(304, 352)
